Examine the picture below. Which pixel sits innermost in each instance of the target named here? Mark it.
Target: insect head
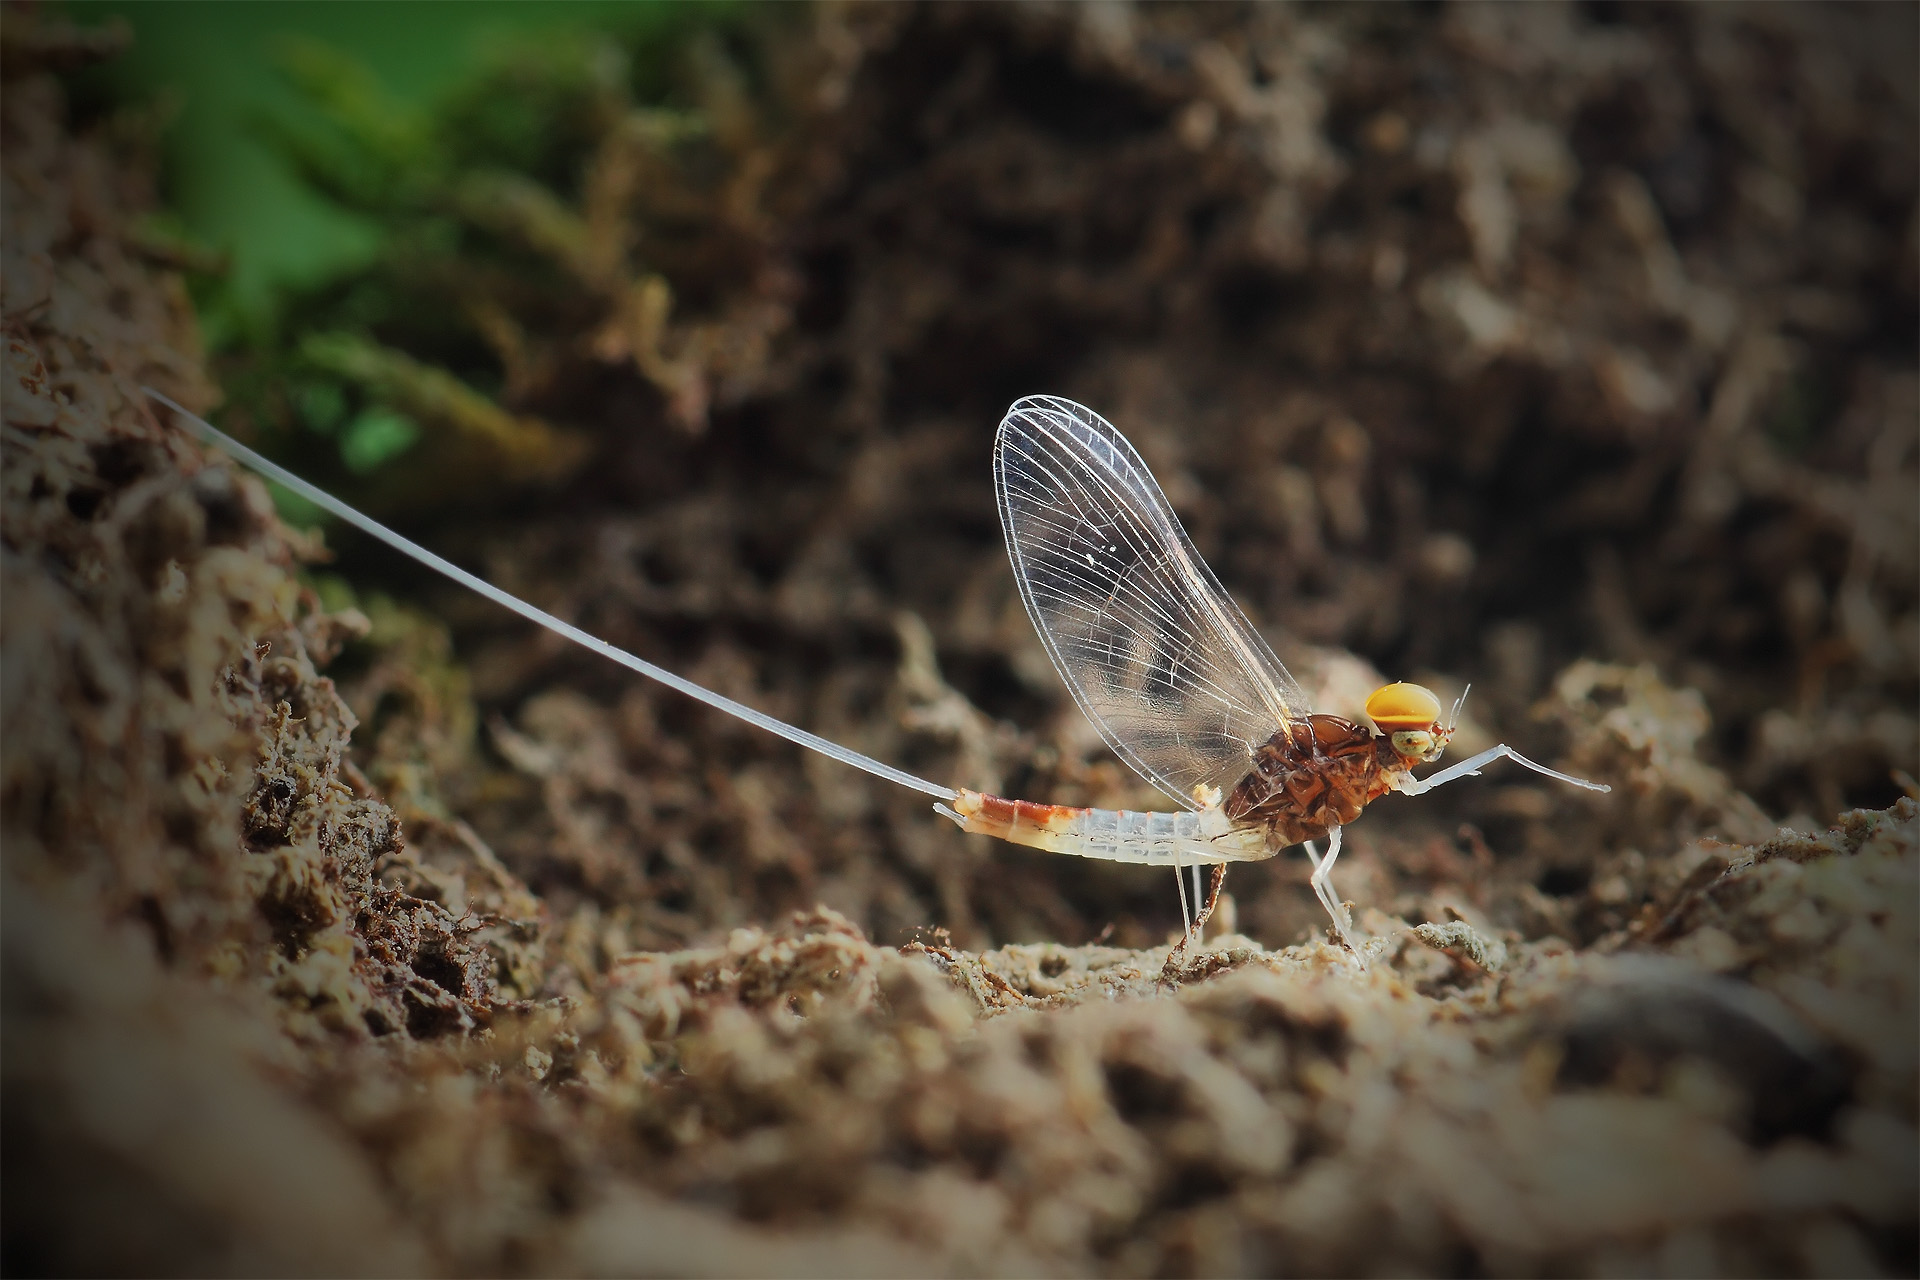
(1409, 714)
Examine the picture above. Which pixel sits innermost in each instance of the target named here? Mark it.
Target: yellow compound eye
(1403, 706)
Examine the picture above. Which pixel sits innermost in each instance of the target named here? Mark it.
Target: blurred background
(1566, 350)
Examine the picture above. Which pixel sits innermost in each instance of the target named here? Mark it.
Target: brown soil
(1572, 357)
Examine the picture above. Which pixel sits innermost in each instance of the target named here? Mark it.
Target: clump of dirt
(1502, 323)
(1551, 1110)
(197, 888)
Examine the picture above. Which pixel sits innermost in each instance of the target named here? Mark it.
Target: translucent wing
(1156, 653)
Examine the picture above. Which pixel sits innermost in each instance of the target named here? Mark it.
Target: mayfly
(1154, 651)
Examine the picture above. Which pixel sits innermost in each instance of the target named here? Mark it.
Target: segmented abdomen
(1113, 835)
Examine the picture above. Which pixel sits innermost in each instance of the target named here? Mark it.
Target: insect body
(1153, 649)
(1176, 679)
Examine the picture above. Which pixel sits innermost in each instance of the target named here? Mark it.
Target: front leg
(1470, 767)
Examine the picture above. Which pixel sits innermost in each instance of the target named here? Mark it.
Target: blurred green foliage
(221, 68)
(399, 197)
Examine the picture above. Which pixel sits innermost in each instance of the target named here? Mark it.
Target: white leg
(1313, 856)
(1180, 887)
(1199, 898)
(1322, 881)
(1471, 766)
(1320, 889)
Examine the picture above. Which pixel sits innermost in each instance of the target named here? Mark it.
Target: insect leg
(1213, 895)
(1471, 766)
(1180, 887)
(1320, 889)
(1322, 881)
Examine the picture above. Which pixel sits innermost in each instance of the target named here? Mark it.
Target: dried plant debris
(1504, 343)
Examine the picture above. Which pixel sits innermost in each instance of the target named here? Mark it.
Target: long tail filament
(367, 524)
